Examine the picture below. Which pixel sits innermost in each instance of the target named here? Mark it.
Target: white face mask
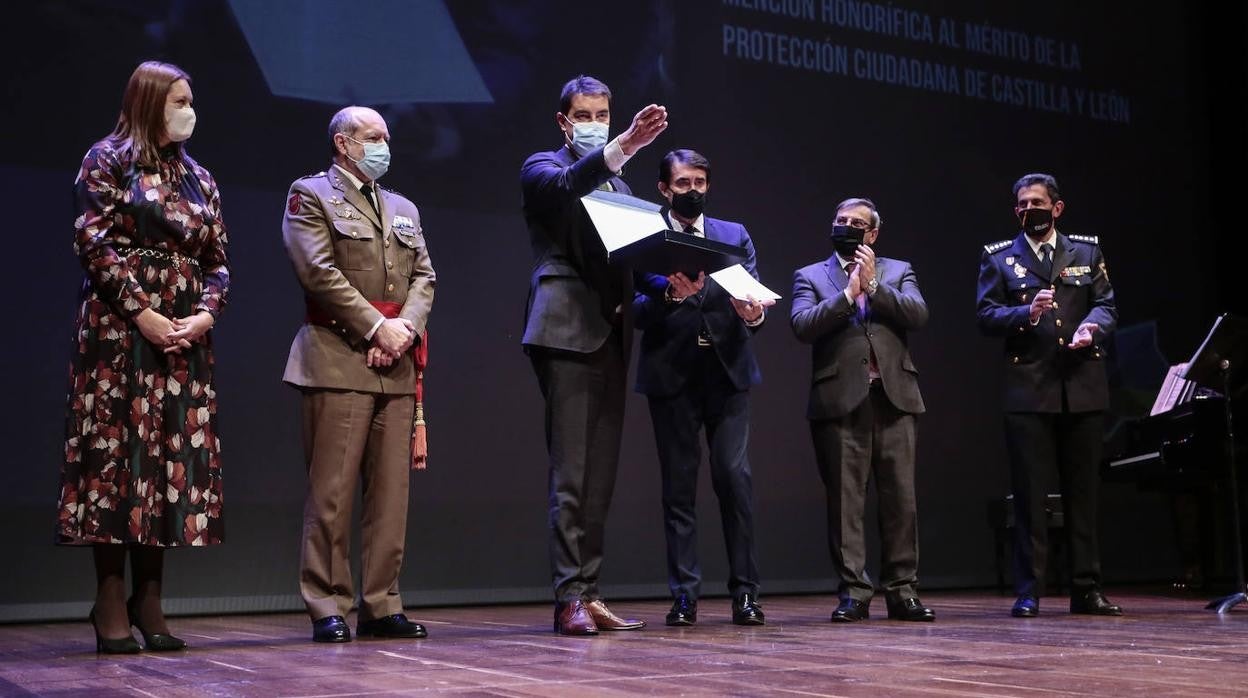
(586, 136)
(179, 123)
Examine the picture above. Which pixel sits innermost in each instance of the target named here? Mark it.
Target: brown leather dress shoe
(606, 620)
(572, 618)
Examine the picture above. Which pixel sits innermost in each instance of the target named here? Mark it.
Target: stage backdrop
(931, 109)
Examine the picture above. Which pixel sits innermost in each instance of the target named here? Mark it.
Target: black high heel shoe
(104, 645)
(155, 642)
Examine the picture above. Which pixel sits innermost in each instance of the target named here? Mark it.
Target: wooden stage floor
(1166, 645)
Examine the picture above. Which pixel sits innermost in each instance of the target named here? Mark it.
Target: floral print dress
(142, 459)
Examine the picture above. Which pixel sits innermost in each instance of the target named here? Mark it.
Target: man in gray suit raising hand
(856, 310)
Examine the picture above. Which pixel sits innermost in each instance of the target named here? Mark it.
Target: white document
(740, 285)
(619, 224)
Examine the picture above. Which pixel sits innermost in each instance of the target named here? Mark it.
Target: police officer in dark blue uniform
(1048, 294)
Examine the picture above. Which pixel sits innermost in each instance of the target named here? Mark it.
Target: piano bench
(1001, 521)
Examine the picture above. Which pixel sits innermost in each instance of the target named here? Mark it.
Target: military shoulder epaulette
(1090, 239)
(310, 176)
(993, 247)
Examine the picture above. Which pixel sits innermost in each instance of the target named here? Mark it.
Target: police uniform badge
(1009, 261)
(1020, 271)
(292, 204)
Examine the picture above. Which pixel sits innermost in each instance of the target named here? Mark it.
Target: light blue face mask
(587, 136)
(376, 160)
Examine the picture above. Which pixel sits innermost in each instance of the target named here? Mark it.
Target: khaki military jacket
(345, 256)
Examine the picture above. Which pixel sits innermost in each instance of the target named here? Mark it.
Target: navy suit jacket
(574, 292)
(1039, 367)
(669, 343)
(823, 317)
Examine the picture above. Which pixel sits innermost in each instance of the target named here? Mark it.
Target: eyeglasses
(852, 222)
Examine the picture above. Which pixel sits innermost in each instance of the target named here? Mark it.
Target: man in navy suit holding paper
(696, 369)
(578, 341)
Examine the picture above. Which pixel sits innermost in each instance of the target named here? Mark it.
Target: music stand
(1219, 363)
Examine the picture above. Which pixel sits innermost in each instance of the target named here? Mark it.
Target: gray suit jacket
(823, 317)
(344, 257)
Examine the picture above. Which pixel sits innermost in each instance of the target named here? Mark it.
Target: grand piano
(1180, 450)
(1179, 444)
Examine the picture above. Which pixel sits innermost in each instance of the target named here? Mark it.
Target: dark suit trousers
(708, 399)
(875, 441)
(1039, 444)
(584, 418)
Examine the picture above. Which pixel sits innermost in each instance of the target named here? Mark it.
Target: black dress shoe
(396, 625)
(1093, 603)
(851, 611)
(331, 629)
(746, 611)
(154, 642)
(684, 611)
(911, 609)
(1025, 607)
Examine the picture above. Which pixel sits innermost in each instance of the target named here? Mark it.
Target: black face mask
(846, 239)
(689, 204)
(1036, 221)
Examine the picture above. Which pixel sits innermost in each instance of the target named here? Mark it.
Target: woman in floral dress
(142, 470)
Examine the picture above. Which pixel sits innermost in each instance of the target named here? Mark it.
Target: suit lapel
(352, 195)
(712, 231)
(1062, 256)
(836, 275)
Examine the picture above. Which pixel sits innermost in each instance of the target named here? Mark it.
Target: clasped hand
(393, 337)
(172, 336)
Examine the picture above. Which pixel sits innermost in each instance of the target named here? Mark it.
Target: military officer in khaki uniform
(359, 253)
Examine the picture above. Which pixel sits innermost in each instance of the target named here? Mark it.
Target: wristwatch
(872, 285)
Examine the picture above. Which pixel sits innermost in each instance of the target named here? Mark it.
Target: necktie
(1046, 261)
(862, 297)
(873, 368)
(692, 230)
(367, 191)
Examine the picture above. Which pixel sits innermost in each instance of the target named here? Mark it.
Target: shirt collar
(699, 223)
(1035, 245)
(351, 178)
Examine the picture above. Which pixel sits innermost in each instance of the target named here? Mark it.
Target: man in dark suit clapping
(696, 369)
(856, 310)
